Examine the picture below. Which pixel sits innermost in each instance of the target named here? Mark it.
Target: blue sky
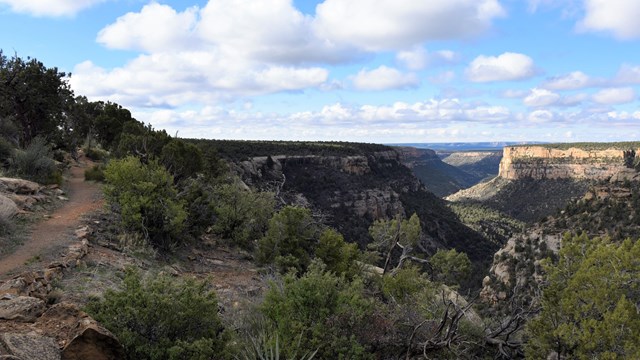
(385, 71)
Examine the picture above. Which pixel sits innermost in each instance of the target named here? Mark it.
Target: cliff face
(350, 192)
(610, 210)
(539, 162)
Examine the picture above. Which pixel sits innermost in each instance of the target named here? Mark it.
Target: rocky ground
(74, 255)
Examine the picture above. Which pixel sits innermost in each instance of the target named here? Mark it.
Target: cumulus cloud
(617, 17)
(230, 48)
(384, 78)
(401, 24)
(572, 81)
(49, 8)
(541, 116)
(506, 67)
(168, 79)
(614, 96)
(155, 28)
(541, 97)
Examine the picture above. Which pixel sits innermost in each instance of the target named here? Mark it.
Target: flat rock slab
(30, 346)
(19, 186)
(21, 308)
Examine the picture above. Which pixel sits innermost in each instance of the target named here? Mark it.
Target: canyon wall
(541, 162)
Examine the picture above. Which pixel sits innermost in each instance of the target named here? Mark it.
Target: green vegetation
(318, 312)
(493, 224)
(240, 214)
(290, 240)
(397, 233)
(238, 150)
(589, 305)
(146, 200)
(161, 318)
(338, 256)
(36, 163)
(95, 173)
(529, 200)
(616, 217)
(450, 267)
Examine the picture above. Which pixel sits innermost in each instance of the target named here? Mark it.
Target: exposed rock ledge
(539, 162)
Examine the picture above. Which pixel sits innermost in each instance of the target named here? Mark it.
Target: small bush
(450, 267)
(163, 318)
(94, 173)
(289, 241)
(35, 163)
(339, 256)
(318, 312)
(96, 154)
(146, 200)
(241, 215)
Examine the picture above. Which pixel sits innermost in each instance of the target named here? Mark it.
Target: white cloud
(400, 24)
(220, 52)
(618, 17)
(614, 96)
(541, 116)
(506, 67)
(541, 97)
(416, 59)
(419, 58)
(628, 74)
(572, 81)
(155, 28)
(384, 78)
(49, 8)
(168, 79)
(573, 100)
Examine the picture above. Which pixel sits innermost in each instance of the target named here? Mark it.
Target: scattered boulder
(19, 186)
(21, 308)
(30, 346)
(8, 207)
(93, 342)
(79, 335)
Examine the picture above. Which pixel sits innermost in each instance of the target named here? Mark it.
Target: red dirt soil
(55, 232)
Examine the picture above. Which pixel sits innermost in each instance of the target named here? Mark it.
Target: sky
(383, 71)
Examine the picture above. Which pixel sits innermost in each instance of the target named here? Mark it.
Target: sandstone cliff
(544, 162)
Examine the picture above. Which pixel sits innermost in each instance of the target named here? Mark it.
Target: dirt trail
(56, 232)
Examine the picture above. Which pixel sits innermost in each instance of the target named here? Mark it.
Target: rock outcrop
(31, 329)
(542, 162)
(21, 308)
(30, 346)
